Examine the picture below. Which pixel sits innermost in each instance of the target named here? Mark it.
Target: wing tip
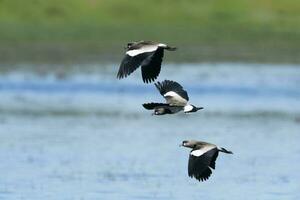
(121, 76)
(204, 176)
(159, 87)
(148, 106)
(149, 79)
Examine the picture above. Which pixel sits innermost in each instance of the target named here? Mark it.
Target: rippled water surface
(75, 132)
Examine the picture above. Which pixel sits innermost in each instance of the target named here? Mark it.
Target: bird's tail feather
(225, 151)
(171, 48)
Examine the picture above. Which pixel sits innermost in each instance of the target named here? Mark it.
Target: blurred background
(70, 130)
(205, 30)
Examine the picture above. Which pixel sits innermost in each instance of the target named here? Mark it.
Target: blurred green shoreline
(71, 31)
(85, 53)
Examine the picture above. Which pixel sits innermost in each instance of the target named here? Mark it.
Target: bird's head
(161, 111)
(189, 143)
(129, 44)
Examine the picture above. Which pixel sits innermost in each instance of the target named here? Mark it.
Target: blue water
(75, 132)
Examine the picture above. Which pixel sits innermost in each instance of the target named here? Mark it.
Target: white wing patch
(174, 99)
(171, 94)
(162, 45)
(144, 49)
(187, 108)
(202, 151)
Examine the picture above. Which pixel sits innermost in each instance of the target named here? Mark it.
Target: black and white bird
(146, 54)
(202, 158)
(176, 99)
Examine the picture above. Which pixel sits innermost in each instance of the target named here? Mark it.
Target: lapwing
(146, 54)
(176, 99)
(202, 158)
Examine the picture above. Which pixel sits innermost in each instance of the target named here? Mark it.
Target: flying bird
(202, 158)
(176, 99)
(146, 54)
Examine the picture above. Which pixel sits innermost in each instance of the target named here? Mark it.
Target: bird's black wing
(198, 167)
(151, 65)
(130, 63)
(213, 160)
(168, 86)
(151, 106)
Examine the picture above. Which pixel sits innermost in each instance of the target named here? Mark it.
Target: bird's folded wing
(174, 99)
(172, 92)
